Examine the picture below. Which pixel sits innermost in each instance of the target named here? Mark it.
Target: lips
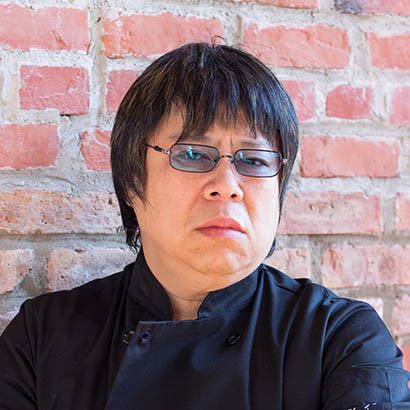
(223, 223)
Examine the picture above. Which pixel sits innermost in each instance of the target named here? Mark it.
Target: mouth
(222, 227)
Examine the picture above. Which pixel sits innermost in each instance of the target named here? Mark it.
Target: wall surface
(65, 65)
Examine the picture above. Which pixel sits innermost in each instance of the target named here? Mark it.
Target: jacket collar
(148, 292)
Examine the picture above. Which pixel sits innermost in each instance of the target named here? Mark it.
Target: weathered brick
(400, 106)
(401, 316)
(297, 4)
(119, 81)
(400, 7)
(63, 88)
(28, 146)
(354, 266)
(294, 262)
(67, 268)
(349, 102)
(324, 157)
(144, 35)
(14, 265)
(36, 211)
(390, 52)
(95, 148)
(403, 213)
(49, 28)
(303, 97)
(322, 213)
(309, 47)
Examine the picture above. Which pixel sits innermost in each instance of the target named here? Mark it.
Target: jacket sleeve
(17, 367)
(362, 366)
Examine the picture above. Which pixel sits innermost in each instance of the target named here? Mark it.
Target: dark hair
(209, 83)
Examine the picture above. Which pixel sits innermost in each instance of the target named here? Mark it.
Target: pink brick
(390, 52)
(143, 35)
(68, 268)
(364, 266)
(36, 211)
(14, 266)
(400, 7)
(95, 148)
(401, 316)
(294, 262)
(327, 213)
(350, 103)
(119, 82)
(406, 358)
(403, 213)
(48, 28)
(324, 157)
(400, 106)
(309, 47)
(28, 146)
(63, 88)
(303, 97)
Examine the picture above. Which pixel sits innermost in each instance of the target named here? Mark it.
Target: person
(202, 150)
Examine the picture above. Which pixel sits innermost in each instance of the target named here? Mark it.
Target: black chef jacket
(267, 342)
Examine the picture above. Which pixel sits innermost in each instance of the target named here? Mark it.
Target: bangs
(213, 84)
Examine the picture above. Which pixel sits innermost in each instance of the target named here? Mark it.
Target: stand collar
(147, 291)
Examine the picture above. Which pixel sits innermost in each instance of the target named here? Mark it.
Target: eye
(254, 160)
(191, 154)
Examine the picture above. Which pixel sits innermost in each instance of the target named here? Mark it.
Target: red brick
(400, 7)
(400, 106)
(406, 358)
(63, 88)
(390, 52)
(354, 266)
(95, 148)
(14, 265)
(67, 268)
(310, 47)
(322, 213)
(403, 213)
(297, 4)
(401, 316)
(119, 82)
(37, 211)
(350, 103)
(28, 146)
(142, 35)
(48, 28)
(324, 157)
(294, 262)
(303, 97)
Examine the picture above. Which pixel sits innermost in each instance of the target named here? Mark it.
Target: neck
(185, 286)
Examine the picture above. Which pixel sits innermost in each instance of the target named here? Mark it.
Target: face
(178, 203)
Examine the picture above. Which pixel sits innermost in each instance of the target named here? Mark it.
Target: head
(204, 94)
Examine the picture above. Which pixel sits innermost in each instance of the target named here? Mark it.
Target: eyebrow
(248, 142)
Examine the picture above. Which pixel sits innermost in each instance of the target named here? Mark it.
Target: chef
(202, 149)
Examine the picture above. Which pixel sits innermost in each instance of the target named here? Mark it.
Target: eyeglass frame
(283, 161)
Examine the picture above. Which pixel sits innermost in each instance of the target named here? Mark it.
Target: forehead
(169, 132)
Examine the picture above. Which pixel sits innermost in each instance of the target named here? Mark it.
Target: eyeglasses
(258, 163)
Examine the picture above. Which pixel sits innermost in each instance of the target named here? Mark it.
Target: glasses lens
(193, 158)
(257, 163)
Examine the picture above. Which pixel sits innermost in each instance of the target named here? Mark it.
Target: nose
(223, 182)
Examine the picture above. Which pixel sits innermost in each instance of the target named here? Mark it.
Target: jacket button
(144, 337)
(232, 339)
(126, 336)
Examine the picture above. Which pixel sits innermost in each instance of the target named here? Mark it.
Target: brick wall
(346, 64)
